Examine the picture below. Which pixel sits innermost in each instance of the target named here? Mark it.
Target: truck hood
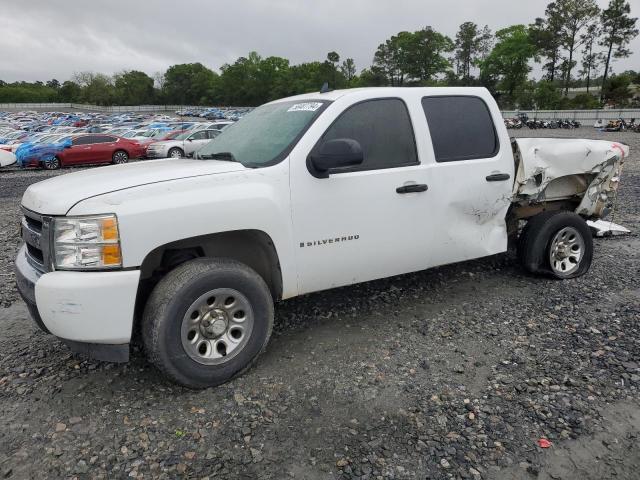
(57, 195)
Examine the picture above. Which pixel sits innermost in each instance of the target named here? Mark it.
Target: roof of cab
(378, 91)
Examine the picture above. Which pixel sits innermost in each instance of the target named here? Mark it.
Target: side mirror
(332, 154)
(189, 139)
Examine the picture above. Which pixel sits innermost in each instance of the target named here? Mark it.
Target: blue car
(33, 154)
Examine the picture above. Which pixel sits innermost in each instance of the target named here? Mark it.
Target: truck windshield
(265, 135)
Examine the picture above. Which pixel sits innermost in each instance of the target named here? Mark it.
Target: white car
(303, 194)
(216, 125)
(184, 145)
(6, 158)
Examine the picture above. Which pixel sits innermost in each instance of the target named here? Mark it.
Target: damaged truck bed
(554, 173)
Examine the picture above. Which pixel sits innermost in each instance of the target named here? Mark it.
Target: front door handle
(414, 188)
(498, 177)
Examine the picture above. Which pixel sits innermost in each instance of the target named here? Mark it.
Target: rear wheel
(119, 157)
(51, 163)
(556, 243)
(207, 321)
(176, 153)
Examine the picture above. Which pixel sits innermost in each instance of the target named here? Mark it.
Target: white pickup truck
(303, 194)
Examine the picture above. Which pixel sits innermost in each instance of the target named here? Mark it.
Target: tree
(546, 36)
(547, 96)
(574, 16)
(133, 88)
(616, 90)
(425, 56)
(190, 83)
(95, 88)
(485, 44)
(53, 83)
(69, 92)
(618, 29)
(467, 46)
(348, 69)
(508, 63)
(590, 59)
(332, 63)
(391, 58)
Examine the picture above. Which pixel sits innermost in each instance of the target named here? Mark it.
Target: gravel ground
(454, 372)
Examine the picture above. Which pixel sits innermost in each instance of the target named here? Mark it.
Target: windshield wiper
(228, 156)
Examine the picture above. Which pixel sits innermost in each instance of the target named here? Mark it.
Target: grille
(35, 234)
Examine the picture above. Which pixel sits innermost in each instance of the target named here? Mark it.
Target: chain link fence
(580, 115)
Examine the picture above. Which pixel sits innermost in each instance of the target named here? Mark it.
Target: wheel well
(176, 148)
(254, 248)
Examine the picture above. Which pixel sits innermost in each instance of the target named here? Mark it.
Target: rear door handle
(498, 177)
(414, 188)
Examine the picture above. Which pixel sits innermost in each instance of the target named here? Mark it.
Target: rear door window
(461, 128)
(104, 139)
(201, 135)
(85, 140)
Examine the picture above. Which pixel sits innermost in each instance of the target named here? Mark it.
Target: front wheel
(176, 153)
(557, 243)
(51, 163)
(207, 321)
(120, 157)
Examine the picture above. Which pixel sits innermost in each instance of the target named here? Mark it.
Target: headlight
(86, 243)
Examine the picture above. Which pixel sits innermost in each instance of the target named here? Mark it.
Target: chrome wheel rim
(52, 163)
(566, 250)
(175, 154)
(217, 326)
(120, 157)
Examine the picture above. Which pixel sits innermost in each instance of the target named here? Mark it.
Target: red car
(98, 148)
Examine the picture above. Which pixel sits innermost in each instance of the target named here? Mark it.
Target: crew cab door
(80, 150)
(471, 177)
(360, 223)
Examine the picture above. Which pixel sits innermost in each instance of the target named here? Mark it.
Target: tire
(556, 243)
(174, 327)
(175, 152)
(52, 163)
(119, 157)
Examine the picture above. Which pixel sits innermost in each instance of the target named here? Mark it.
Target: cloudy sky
(43, 39)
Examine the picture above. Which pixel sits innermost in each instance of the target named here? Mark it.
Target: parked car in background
(6, 158)
(83, 150)
(183, 145)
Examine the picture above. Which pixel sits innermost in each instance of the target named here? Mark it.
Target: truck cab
(302, 194)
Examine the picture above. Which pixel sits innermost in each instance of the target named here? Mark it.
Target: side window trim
(361, 168)
(497, 147)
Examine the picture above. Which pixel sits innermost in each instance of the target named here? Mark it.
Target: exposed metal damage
(557, 171)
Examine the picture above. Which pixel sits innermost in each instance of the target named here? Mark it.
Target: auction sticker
(305, 107)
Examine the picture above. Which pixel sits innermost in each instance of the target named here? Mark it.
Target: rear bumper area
(91, 308)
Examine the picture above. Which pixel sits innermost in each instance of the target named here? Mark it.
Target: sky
(44, 39)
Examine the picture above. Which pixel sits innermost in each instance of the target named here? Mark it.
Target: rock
(444, 463)
(60, 427)
(475, 474)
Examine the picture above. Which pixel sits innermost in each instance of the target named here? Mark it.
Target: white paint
(604, 228)
(396, 232)
(6, 158)
(94, 307)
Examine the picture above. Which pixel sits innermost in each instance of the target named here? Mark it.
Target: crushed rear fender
(586, 172)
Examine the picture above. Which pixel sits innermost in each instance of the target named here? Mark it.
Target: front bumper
(82, 308)
(151, 153)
